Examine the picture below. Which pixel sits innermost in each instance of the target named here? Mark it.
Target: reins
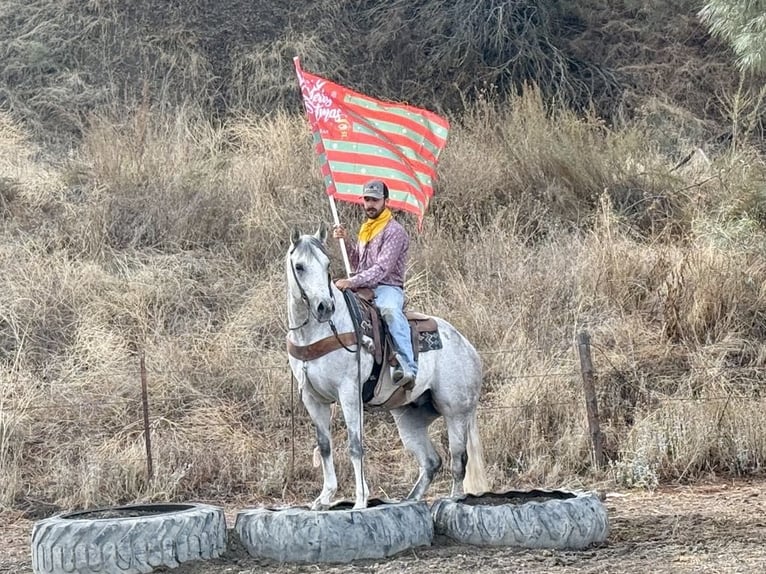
(358, 333)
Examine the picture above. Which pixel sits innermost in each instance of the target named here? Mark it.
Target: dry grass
(550, 169)
(65, 59)
(163, 234)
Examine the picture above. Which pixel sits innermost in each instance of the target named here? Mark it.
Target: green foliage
(742, 24)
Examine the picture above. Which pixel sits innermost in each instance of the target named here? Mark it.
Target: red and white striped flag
(359, 138)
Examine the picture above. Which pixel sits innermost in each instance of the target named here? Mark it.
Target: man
(379, 258)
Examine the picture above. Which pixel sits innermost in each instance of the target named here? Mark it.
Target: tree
(741, 23)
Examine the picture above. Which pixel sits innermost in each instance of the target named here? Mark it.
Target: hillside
(63, 60)
(604, 173)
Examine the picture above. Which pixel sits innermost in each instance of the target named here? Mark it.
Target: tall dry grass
(162, 236)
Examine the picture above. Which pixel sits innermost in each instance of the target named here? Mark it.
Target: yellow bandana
(371, 227)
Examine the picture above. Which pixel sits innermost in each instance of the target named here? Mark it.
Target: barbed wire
(96, 405)
(495, 381)
(285, 368)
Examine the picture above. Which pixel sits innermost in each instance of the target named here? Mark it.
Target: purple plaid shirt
(382, 261)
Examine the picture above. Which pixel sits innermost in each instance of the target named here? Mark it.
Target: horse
(448, 382)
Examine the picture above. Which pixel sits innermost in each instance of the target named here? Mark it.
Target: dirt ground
(717, 527)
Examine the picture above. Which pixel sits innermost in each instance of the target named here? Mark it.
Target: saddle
(378, 390)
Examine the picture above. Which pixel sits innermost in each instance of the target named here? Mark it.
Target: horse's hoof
(319, 505)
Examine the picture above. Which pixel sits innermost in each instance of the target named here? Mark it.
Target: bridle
(305, 298)
(310, 312)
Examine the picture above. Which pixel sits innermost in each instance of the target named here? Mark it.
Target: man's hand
(339, 232)
(343, 284)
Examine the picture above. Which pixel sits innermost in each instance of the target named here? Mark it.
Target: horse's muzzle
(325, 311)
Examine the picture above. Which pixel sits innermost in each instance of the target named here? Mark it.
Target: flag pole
(297, 64)
(342, 242)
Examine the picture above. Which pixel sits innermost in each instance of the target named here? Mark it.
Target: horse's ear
(295, 235)
(321, 233)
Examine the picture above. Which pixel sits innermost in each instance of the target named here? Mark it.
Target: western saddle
(369, 323)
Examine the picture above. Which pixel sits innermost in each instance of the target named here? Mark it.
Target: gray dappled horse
(448, 382)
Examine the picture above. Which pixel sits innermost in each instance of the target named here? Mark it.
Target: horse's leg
(457, 431)
(413, 423)
(320, 415)
(354, 417)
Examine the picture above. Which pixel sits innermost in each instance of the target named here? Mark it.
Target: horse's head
(308, 272)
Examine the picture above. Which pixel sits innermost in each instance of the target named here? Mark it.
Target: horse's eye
(299, 267)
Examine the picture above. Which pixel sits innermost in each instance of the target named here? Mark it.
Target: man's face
(374, 207)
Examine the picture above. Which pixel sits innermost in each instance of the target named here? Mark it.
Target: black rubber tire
(526, 519)
(127, 539)
(337, 535)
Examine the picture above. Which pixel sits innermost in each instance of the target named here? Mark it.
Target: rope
(358, 333)
(292, 424)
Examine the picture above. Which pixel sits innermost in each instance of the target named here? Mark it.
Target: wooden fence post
(591, 405)
(147, 429)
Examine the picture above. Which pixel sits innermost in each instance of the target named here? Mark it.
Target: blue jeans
(390, 301)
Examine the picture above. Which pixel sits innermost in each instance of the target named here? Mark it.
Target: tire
(127, 539)
(338, 535)
(531, 519)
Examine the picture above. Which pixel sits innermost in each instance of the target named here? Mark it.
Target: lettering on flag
(358, 138)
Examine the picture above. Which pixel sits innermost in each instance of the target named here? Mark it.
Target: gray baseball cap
(375, 189)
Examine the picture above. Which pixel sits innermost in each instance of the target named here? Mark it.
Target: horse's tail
(475, 481)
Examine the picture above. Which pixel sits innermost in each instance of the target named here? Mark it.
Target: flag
(359, 138)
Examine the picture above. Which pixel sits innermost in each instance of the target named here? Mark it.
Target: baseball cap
(375, 189)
